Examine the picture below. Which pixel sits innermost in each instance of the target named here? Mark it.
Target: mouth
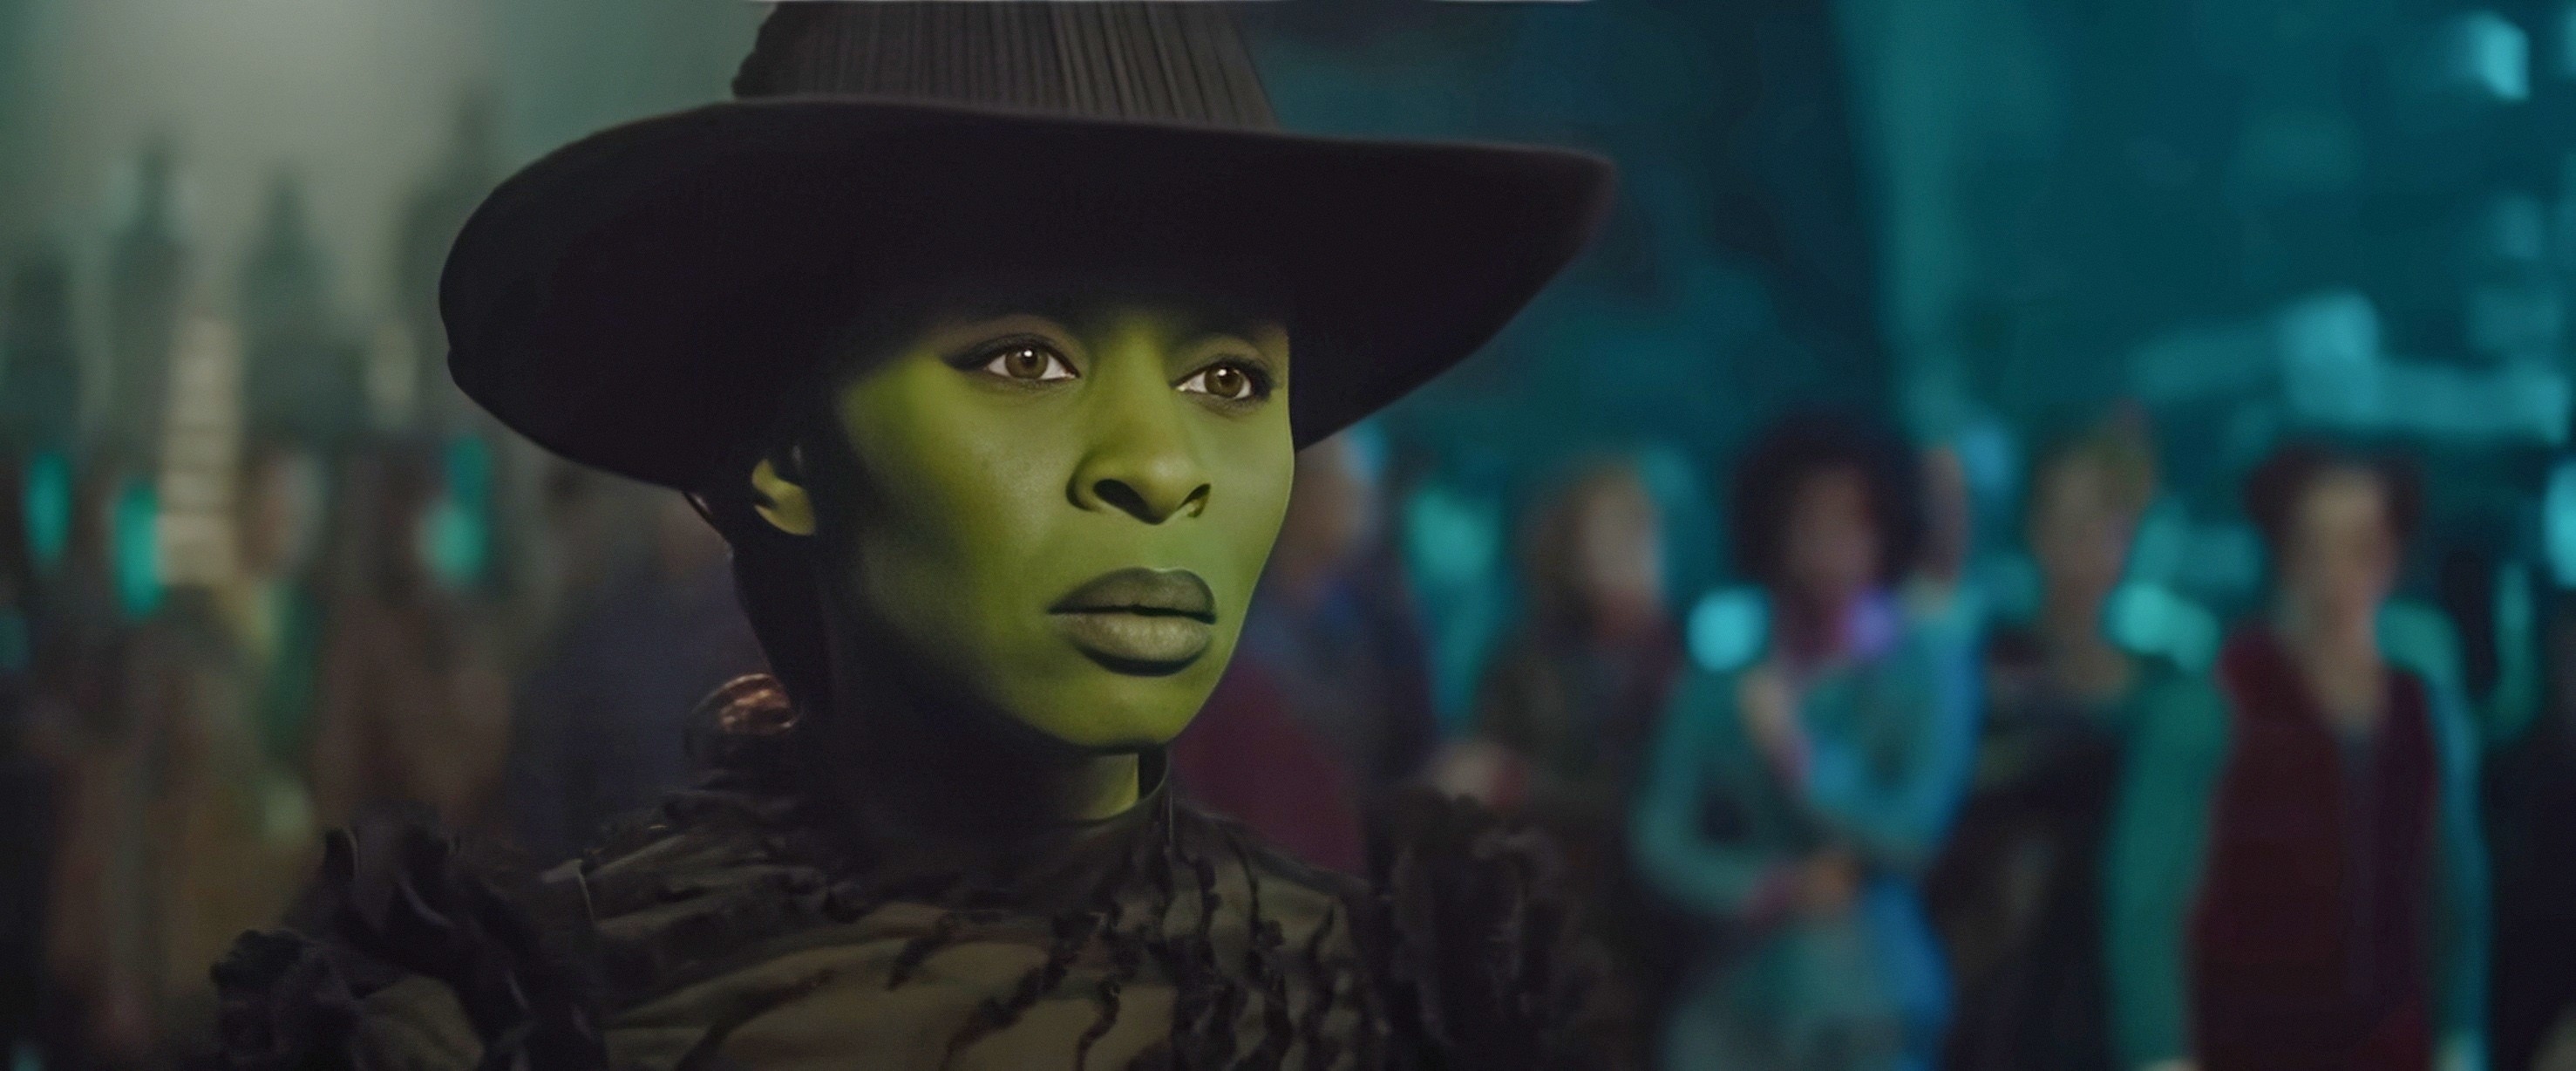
(1146, 622)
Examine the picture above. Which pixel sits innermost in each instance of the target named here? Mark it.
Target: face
(1832, 551)
(1619, 553)
(281, 506)
(1057, 513)
(2078, 533)
(2342, 556)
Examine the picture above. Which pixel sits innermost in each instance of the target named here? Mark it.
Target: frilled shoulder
(1474, 936)
(406, 954)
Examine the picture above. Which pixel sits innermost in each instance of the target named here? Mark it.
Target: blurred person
(2296, 874)
(414, 701)
(599, 728)
(273, 608)
(1567, 701)
(2017, 892)
(2531, 807)
(28, 781)
(1332, 623)
(1328, 699)
(197, 857)
(168, 839)
(1576, 688)
(1793, 805)
(79, 717)
(588, 529)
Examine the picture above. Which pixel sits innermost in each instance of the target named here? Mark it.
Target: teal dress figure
(1727, 831)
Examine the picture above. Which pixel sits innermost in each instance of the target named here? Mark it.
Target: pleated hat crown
(1152, 62)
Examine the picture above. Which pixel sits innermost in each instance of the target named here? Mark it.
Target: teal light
(456, 541)
(48, 506)
(451, 544)
(2492, 54)
(2558, 524)
(2420, 637)
(2153, 619)
(138, 550)
(1726, 629)
(1451, 538)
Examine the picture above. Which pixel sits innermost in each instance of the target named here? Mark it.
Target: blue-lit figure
(2017, 893)
(1793, 805)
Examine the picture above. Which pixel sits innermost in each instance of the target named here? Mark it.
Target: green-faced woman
(986, 333)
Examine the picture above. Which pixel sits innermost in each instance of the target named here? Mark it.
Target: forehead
(1837, 485)
(2342, 497)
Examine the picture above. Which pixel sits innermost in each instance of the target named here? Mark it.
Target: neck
(2339, 656)
(923, 764)
(1818, 630)
(2079, 655)
(2340, 637)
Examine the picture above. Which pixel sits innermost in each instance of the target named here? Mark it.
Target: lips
(1143, 621)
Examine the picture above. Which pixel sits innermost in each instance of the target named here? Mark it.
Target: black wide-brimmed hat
(639, 300)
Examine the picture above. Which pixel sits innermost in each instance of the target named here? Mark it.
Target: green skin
(996, 463)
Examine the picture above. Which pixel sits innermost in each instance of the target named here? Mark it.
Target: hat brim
(637, 300)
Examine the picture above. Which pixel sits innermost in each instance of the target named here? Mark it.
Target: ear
(781, 501)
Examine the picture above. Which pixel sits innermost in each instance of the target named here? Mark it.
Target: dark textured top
(744, 925)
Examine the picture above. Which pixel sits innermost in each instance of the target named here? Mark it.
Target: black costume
(744, 925)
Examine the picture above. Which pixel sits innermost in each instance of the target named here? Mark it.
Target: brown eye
(1229, 382)
(1029, 362)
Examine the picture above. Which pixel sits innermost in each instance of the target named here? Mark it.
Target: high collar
(762, 766)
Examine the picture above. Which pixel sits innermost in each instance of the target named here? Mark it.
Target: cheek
(952, 512)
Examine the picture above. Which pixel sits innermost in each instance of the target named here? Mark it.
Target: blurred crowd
(1874, 803)
(1882, 805)
(260, 570)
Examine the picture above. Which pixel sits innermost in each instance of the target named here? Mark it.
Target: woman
(2297, 878)
(1565, 705)
(1793, 805)
(2017, 892)
(412, 703)
(981, 361)
(1574, 691)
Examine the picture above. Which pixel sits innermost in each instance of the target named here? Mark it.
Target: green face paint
(1061, 518)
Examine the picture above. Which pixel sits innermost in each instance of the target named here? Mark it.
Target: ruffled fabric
(1464, 953)
(1477, 946)
(396, 900)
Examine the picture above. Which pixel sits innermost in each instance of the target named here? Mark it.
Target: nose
(1145, 467)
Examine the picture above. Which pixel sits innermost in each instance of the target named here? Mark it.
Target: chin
(1106, 720)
